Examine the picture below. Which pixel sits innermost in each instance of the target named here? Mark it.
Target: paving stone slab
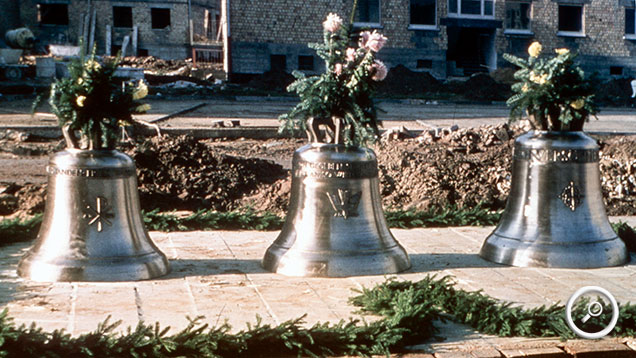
(218, 275)
(597, 349)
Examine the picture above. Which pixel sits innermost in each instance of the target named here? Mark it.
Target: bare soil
(465, 168)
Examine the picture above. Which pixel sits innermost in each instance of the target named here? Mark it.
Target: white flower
(333, 23)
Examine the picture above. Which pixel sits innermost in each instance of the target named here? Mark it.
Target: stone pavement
(217, 274)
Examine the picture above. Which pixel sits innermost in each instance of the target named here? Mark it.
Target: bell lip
(303, 263)
(515, 252)
(151, 265)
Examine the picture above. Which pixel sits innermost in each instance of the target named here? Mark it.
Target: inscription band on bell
(91, 173)
(549, 155)
(344, 170)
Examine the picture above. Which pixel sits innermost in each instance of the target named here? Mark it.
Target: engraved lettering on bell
(543, 155)
(344, 203)
(99, 215)
(571, 196)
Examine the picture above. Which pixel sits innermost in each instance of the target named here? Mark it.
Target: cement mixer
(18, 40)
(21, 38)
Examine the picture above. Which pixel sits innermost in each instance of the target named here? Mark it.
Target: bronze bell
(335, 226)
(92, 229)
(555, 216)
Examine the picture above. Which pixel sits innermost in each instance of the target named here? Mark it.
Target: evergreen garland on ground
(484, 313)
(17, 230)
(408, 310)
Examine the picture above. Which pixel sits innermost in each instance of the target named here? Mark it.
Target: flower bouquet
(93, 102)
(553, 92)
(340, 99)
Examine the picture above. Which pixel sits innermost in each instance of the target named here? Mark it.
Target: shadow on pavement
(208, 267)
(444, 261)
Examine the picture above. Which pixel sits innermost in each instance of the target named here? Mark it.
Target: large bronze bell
(92, 229)
(335, 226)
(555, 216)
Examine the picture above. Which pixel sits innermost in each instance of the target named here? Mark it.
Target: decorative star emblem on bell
(344, 203)
(571, 196)
(99, 215)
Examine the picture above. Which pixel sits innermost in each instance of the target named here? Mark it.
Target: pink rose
(338, 69)
(364, 37)
(375, 42)
(379, 70)
(351, 54)
(333, 23)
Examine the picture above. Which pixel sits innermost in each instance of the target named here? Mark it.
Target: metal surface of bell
(335, 225)
(92, 229)
(555, 216)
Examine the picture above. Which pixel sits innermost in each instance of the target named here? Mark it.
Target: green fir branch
(407, 310)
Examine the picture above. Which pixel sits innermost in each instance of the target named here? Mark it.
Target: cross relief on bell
(571, 196)
(344, 202)
(100, 214)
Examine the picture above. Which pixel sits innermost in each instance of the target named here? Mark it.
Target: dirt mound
(462, 167)
(480, 87)
(25, 199)
(154, 64)
(402, 81)
(615, 92)
(618, 175)
(183, 173)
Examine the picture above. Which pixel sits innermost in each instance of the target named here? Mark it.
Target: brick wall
(168, 43)
(602, 47)
(9, 16)
(284, 27)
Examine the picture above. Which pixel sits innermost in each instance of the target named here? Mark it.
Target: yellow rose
(578, 104)
(143, 108)
(535, 49)
(542, 79)
(80, 101)
(80, 80)
(525, 87)
(141, 91)
(562, 51)
(92, 64)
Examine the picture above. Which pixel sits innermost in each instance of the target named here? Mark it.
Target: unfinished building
(164, 29)
(444, 37)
